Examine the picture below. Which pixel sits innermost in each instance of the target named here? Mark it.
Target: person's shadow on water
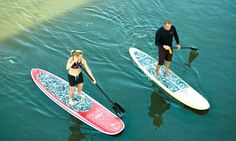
(79, 130)
(76, 134)
(157, 108)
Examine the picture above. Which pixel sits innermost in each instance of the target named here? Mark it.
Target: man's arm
(176, 35)
(158, 38)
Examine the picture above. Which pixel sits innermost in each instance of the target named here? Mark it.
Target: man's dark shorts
(164, 55)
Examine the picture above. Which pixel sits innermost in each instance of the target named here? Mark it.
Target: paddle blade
(121, 109)
(192, 55)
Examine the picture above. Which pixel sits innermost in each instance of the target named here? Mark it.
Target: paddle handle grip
(170, 51)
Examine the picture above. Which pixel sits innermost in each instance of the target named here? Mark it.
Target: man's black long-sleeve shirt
(164, 37)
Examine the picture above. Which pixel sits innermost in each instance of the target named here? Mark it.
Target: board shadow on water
(163, 95)
(80, 130)
(199, 112)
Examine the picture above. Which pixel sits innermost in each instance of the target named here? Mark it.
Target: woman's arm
(88, 70)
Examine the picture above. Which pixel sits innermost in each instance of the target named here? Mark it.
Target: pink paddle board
(85, 109)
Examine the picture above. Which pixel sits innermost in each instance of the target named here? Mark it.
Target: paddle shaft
(118, 109)
(104, 93)
(98, 87)
(192, 55)
(192, 48)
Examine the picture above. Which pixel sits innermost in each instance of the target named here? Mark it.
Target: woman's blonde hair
(76, 52)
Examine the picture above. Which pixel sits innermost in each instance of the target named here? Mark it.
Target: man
(164, 39)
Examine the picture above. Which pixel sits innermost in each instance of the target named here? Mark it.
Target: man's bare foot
(168, 72)
(156, 73)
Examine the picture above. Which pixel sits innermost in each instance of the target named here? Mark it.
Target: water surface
(41, 34)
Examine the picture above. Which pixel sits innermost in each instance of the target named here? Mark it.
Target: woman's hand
(94, 81)
(75, 60)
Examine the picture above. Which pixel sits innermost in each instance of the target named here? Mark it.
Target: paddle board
(173, 84)
(85, 109)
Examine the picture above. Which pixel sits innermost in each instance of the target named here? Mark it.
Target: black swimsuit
(76, 65)
(74, 80)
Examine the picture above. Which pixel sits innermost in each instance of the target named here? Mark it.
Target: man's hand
(178, 46)
(166, 47)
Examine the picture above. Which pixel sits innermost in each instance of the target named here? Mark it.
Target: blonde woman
(75, 75)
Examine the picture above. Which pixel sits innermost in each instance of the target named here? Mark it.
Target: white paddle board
(173, 84)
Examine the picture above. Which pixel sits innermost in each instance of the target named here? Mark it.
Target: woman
(75, 75)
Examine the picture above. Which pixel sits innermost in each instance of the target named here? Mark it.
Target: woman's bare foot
(82, 96)
(71, 102)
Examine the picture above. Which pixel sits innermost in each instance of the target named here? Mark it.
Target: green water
(40, 34)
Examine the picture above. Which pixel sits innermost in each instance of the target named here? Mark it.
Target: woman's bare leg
(80, 87)
(71, 93)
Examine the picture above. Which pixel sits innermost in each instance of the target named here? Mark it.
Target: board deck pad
(85, 109)
(61, 90)
(172, 82)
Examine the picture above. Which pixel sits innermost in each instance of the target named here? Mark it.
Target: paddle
(192, 55)
(192, 48)
(117, 108)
